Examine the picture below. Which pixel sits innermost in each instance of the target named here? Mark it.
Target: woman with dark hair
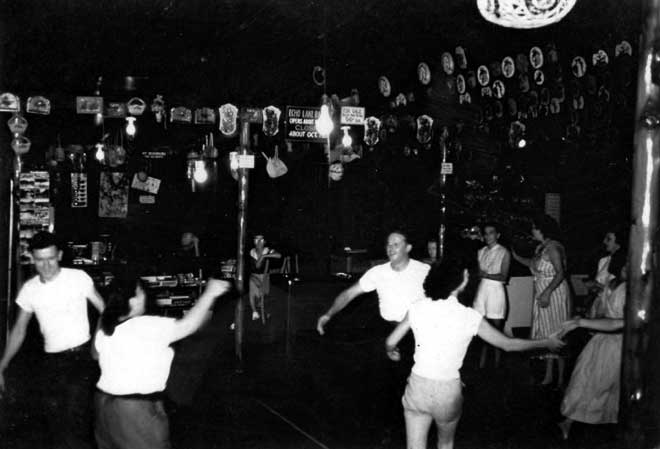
(443, 329)
(614, 241)
(592, 395)
(551, 294)
(259, 277)
(135, 358)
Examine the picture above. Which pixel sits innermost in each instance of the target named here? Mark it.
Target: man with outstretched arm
(58, 298)
(398, 283)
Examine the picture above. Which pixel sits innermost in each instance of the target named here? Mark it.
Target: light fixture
(130, 126)
(346, 140)
(324, 123)
(100, 154)
(200, 174)
(524, 13)
(522, 142)
(17, 124)
(233, 160)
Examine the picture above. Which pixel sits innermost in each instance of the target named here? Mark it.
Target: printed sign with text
(301, 123)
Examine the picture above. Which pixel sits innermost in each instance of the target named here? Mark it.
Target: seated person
(259, 279)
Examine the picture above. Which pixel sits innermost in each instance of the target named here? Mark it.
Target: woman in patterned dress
(592, 395)
(551, 295)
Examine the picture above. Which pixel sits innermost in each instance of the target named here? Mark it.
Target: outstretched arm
(596, 324)
(341, 301)
(14, 343)
(496, 338)
(395, 337)
(197, 315)
(523, 260)
(96, 300)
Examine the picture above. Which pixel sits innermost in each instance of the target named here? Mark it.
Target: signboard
(352, 115)
(447, 168)
(300, 123)
(245, 161)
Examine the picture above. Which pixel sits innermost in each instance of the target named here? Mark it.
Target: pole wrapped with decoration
(640, 386)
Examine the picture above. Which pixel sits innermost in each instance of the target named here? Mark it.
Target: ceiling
(259, 52)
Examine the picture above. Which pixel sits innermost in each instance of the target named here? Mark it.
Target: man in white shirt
(398, 283)
(58, 297)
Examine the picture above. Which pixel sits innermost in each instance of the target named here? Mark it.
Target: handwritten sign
(245, 161)
(447, 168)
(300, 123)
(352, 115)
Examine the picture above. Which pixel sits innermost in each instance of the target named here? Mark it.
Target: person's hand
(569, 325)
(217, 287)
(554, 341)
(393, 354)
(543, 299)
(320, 324)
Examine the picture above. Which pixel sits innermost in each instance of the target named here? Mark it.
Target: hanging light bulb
(98, 119)
(130, 126)
(100, 154)
(347, 140)
(324, 123)
(233, 160)
(200, 175)
(522, 143)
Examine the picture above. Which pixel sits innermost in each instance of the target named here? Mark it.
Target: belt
(80, 348)
(156, 396)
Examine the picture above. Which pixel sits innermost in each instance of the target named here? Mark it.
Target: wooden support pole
(243, 191)
(640, 383)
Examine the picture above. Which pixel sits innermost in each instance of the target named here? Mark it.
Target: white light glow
(200, 175)
(324, 123)
(131, 129)
(347, 141)
(100, 154)
(522, 143)
(233, 160)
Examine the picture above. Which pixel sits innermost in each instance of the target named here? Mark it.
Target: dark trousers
(387, 381)
(68, 380)
(131, 422)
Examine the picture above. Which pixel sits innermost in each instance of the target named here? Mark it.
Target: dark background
(202, 53)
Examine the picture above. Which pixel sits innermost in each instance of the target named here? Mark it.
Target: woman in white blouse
(443, 329)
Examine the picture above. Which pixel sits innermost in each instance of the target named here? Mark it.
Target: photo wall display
(35, 209)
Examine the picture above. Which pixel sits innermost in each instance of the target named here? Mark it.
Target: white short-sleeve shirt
(397, 290)
(137, 357)
(60, 306)
(443, 330)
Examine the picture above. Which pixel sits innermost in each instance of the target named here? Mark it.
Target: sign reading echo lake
(301, 123)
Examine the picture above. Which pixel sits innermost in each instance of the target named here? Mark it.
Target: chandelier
(524, 13)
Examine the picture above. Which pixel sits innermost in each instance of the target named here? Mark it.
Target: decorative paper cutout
(271, 120)
(38, 105)
(228, 119)
(423, 73)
